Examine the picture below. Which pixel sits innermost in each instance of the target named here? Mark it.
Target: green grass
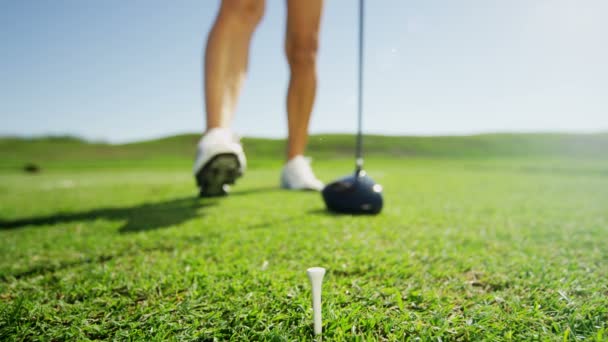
(177, 151)
(470, 246)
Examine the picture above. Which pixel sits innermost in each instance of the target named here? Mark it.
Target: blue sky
(120, 70)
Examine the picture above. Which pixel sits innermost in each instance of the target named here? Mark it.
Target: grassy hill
(70, 152)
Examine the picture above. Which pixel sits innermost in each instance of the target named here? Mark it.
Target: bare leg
(302, 37)
(227, 56)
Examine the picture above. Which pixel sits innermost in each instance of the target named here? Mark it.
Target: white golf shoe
(297, 175)
(220, 160)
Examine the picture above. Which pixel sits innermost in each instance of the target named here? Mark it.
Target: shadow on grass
(328, 213)
(324, 212)
(143, 217)
(254, 191)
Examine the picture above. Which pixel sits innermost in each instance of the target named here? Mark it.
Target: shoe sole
(217, 174)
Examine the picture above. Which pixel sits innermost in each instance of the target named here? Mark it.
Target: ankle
(211, 128)
(294, 155)
(294, 159)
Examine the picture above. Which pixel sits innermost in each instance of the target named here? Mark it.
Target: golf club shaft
(359, 152)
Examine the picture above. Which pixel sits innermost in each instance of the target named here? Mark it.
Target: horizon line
(269, 137)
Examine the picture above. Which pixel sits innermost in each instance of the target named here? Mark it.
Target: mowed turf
(465, 249)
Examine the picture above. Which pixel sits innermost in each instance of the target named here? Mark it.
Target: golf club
(357, 193)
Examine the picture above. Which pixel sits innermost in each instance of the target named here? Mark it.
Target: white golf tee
(315, 274)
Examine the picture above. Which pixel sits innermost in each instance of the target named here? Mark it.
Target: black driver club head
(354, 194)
